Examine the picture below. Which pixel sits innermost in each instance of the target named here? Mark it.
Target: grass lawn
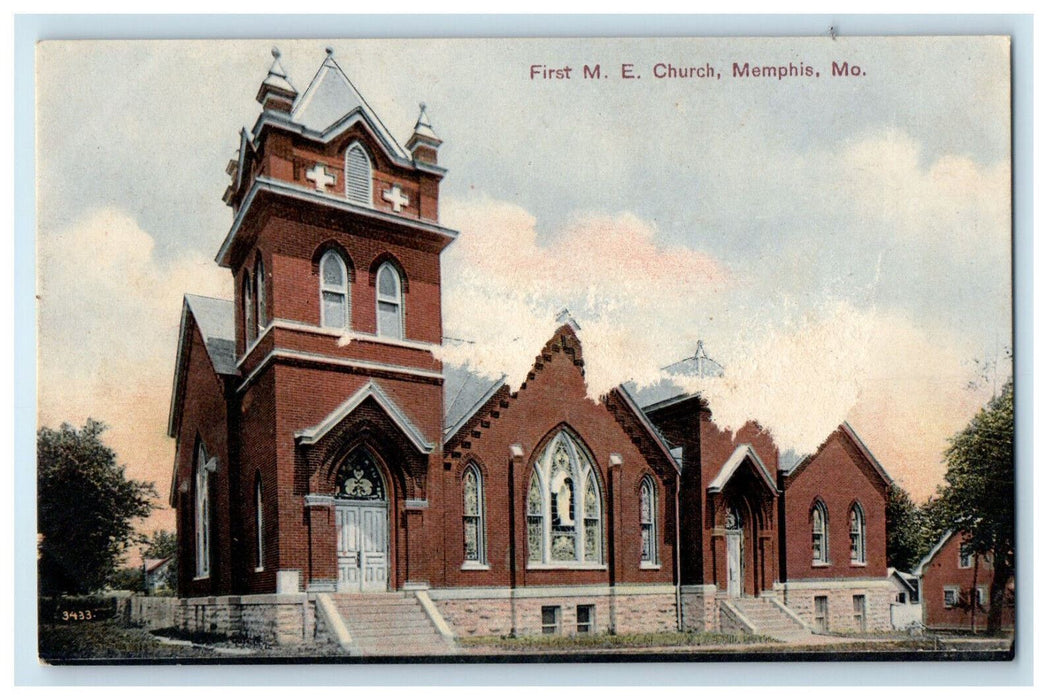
(105, 639)
(585, 642)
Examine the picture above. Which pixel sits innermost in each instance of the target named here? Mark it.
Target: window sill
(651, 567)
(475, 566)
(201, 578)
(574, 566)
(258, 569)
(859, 564)
(821, 564)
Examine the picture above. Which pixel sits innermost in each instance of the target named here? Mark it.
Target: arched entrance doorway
(734, 551)
(362, 524)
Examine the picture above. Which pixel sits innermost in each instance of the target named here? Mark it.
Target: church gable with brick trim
(323, 450)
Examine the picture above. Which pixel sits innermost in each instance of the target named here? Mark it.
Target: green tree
(978, 497)
(905, 531)
(85, 509)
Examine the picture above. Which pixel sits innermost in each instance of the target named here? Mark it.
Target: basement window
(550, 619)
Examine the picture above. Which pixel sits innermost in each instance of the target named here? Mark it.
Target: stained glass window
(648, 522)
(564, 506)
(472, 516)
(201, 514)
(358, 478)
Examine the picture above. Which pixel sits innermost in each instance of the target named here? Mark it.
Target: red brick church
(328, 465)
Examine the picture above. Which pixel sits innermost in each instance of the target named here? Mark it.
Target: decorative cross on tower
(395, 197)
(320, 177)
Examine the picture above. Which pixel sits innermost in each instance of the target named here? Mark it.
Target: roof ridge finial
(329, 51)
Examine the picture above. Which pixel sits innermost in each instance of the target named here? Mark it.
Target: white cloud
(108, 319)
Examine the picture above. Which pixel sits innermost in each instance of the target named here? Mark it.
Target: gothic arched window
(857, 534)
(333, 290)
(247, 311)
(473, 516)
(564, 506)
(259, 503)
(261, 298)
(359, 478)
(201, 514)
(358, 185)
(649, 555)
(819, 519)
(389, 302)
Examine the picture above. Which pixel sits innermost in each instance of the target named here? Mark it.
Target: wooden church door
(362, 525)
(734, 549)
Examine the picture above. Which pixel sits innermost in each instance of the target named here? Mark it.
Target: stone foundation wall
(274, 619)
(149, 612)
(484, 613)
(699, 609)
(878, 597)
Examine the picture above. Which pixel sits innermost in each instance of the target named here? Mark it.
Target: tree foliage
(906, 531)
(978, 497)
(85, 509)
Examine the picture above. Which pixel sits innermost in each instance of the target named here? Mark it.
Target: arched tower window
(333, 290)
(389, 302)
(649, 555)
(358, 185)
(247, 311)
(201, 514)
(473, 515)
(857, 534)
(564, 506)
(819, 518)
(261, 298)
(259, 504)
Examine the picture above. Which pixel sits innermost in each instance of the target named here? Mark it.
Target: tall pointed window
(564, 506)
(201, 514)
(389, 302)
(333, 290)
(261, 298)
(247, 311)
(259, 500)
(473, 516)
(649, 555)
(857, 534)
(819, 518)
(358, 185)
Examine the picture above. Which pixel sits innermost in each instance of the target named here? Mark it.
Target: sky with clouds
(841, 245)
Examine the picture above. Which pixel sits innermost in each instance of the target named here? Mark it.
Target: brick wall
(943, 571)
(839, 475)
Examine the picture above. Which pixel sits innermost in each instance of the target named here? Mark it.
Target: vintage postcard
(462, 349)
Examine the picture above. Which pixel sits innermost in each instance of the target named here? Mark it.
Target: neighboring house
(906, 612)
(956, 588)
(321, 448)
(156, 573)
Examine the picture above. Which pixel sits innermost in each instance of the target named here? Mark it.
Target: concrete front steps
(767, 617)
(392, 624)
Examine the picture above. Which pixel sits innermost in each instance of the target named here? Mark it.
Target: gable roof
(846, 429)
(925, 561)
(309, 436)
(743, 453)
(464, 393)
(330, 98)
(214, 319)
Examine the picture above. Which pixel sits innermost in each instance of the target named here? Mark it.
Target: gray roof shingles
(215, 319)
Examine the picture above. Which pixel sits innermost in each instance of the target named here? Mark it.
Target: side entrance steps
(386, 624)
(767, 616)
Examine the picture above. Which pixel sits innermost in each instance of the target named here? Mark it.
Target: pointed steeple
(276, 93)
(424, 143)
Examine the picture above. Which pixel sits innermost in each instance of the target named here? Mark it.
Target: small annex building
(325, 458)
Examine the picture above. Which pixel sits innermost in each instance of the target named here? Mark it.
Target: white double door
(362, 546)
